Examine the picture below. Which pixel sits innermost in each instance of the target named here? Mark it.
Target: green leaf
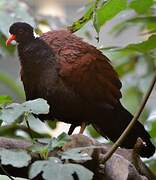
(93, 132)
(37, 106)
(106, 12)
(141, 6)
(16, 158)
(12, 85)
(151, 164)
(53, 169)
(142, 19)
(146, 21)
(13, 111)
(142, 47)
(82, 21)
(77, 154)
(131, 98)
(58, 142)
(153, 128)
(6, 49)
(44, 146)
(5, 99)
(52, 123)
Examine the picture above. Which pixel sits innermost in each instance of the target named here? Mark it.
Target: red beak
(10, 39)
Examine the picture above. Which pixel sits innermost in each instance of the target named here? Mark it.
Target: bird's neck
(25, 42)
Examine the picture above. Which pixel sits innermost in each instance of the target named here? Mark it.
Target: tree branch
(132, 123)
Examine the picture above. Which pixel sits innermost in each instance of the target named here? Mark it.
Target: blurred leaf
(12, 129)
(52, 123)
(11, 83)
(58, 142)
(146, 21)
(141, 6)
(12, 112)
(142, 47)
(39, 127)
(5, 100)
(37, 106)
(93, 132)
(16, 11)
(53, 169)
(106, 12)
(153, 128)
(131, 98)
(44, 146)
(151, 163)
(16, 158)
(8, 49)
(126, 66)
(140, 19)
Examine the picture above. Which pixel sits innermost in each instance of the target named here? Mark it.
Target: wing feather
(93, 78)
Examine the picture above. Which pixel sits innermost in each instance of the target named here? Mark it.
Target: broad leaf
(77, 154)
(59, 142)
(147, 21)
(37, 106)
(13, 111)
(141, 6)
(53, 169)
(5, 100)
(93, 132)
(142, 47)
(110, 9)
(16, 158)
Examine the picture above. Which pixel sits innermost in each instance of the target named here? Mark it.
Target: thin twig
(6, 173)
(132, 123)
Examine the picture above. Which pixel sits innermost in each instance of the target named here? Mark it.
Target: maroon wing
(84, 69)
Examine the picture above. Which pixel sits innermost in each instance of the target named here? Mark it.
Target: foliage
(77, 154)
(13, 112)
(17, 11)
(17, 114)
(5, 100)
(16, 158)
(54, 169)
(135, 64)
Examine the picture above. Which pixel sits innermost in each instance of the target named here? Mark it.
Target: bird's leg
(71, 129)
(83, 126)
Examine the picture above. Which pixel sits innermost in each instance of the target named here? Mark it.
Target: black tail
(113, 122)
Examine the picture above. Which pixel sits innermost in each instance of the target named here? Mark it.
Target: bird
(78, 81)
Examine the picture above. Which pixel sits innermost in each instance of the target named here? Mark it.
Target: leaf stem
(132, 123)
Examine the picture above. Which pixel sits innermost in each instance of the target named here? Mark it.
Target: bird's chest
(37, 82)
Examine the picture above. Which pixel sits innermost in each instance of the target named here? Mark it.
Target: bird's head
(20, 32)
